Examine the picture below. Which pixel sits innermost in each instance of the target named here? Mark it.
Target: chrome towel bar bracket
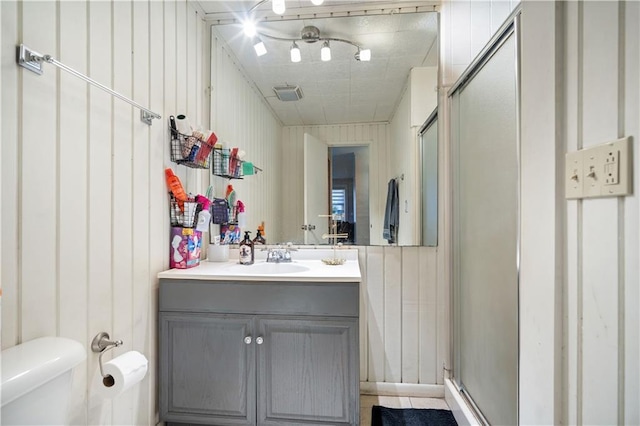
(32, 60)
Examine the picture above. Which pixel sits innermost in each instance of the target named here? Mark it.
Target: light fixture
(325, 52)
(278, 6)
(311, 34)
(363, 55)
(249, 28)
(317, 2)
(259, 46)
(295, 53)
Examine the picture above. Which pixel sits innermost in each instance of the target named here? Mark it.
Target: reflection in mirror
(350, 193)
(429, 152)
(380, 103)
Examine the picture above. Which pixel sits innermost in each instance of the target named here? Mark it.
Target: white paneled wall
(400, 331)
(84, 204)
(466, 26)
(403, 157)
(241, 118)
(602, 103)
(374, 135)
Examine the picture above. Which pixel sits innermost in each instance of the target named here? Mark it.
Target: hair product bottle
(175, 186)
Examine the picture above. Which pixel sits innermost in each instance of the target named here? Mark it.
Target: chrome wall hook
(100, 344)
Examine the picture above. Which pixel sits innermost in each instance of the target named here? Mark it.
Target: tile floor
(368, 401)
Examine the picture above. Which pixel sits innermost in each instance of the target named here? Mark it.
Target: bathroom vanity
(264, 344)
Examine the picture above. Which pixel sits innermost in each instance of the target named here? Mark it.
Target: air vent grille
(288, 93)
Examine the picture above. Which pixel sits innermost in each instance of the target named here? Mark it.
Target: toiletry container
(246, 250)
(36, 380)
(259, 239)
(174, 185)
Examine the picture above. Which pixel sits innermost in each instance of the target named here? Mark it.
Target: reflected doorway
(350, 193)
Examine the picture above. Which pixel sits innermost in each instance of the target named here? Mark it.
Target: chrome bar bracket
(146, 117)
(30, 59)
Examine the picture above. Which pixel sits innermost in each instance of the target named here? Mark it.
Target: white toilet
(36, 381)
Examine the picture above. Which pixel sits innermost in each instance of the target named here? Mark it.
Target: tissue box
(185, 247)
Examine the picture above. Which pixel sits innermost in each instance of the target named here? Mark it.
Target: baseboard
(401, 389)
(461, 411)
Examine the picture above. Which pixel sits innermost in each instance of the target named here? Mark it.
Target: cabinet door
(308, 371)
(207, 371)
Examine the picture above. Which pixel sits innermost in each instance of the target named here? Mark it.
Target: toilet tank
(36, 380)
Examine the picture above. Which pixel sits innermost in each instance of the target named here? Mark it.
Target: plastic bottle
(241, 216)
(174, 185)
(259, 239)
(204, 216)
(246, 250)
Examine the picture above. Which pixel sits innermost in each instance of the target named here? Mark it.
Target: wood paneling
(85, 179)
(398, 324)
(241, 118)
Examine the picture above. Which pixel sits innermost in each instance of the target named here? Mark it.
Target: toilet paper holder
(100, 344)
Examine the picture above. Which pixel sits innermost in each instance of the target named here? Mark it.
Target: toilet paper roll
(182, 123)
(122, 373)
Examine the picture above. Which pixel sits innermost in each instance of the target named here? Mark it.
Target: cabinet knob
(247, 340)
(259, 340)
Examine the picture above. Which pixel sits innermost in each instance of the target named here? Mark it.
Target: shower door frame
(510, 27)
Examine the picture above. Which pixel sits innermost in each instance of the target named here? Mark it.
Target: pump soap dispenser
(259, 239)
(246, 250)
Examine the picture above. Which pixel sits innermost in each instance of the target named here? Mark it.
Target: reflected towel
(391, 213)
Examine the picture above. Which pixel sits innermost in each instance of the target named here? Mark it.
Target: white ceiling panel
(343, 89)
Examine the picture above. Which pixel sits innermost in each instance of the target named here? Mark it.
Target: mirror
(429, 159)
(378, 105)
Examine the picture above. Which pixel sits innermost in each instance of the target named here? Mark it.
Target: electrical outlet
(573, 175)
(611, 167)
(616, 167)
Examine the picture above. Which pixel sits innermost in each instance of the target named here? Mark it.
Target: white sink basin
(264, 268)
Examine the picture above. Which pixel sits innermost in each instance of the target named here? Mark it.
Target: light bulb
(325, 52)
(364, 55)
(317, 2)
(278, 6)
(259, 47)
(249, 28)
(295, 53)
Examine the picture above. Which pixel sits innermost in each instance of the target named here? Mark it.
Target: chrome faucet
(279, 254)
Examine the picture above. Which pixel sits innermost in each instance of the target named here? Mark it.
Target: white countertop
(305, 266)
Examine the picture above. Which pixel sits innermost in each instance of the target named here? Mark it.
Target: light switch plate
(599, 171)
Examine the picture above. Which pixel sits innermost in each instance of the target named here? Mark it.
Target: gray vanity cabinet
(207, 370)
(268, 353)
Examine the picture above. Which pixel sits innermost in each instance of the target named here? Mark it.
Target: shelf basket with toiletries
(228, 163)
(191, 148)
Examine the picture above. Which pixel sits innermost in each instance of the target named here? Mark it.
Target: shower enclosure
(485, 152)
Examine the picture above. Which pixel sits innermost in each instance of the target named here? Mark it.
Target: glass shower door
(485, 154)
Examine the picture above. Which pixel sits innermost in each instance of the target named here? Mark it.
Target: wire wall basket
(190, 151)
(184, 213)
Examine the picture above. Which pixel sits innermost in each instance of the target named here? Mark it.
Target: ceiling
(343, 90)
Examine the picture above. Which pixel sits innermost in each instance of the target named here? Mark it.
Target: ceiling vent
(288, 93)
